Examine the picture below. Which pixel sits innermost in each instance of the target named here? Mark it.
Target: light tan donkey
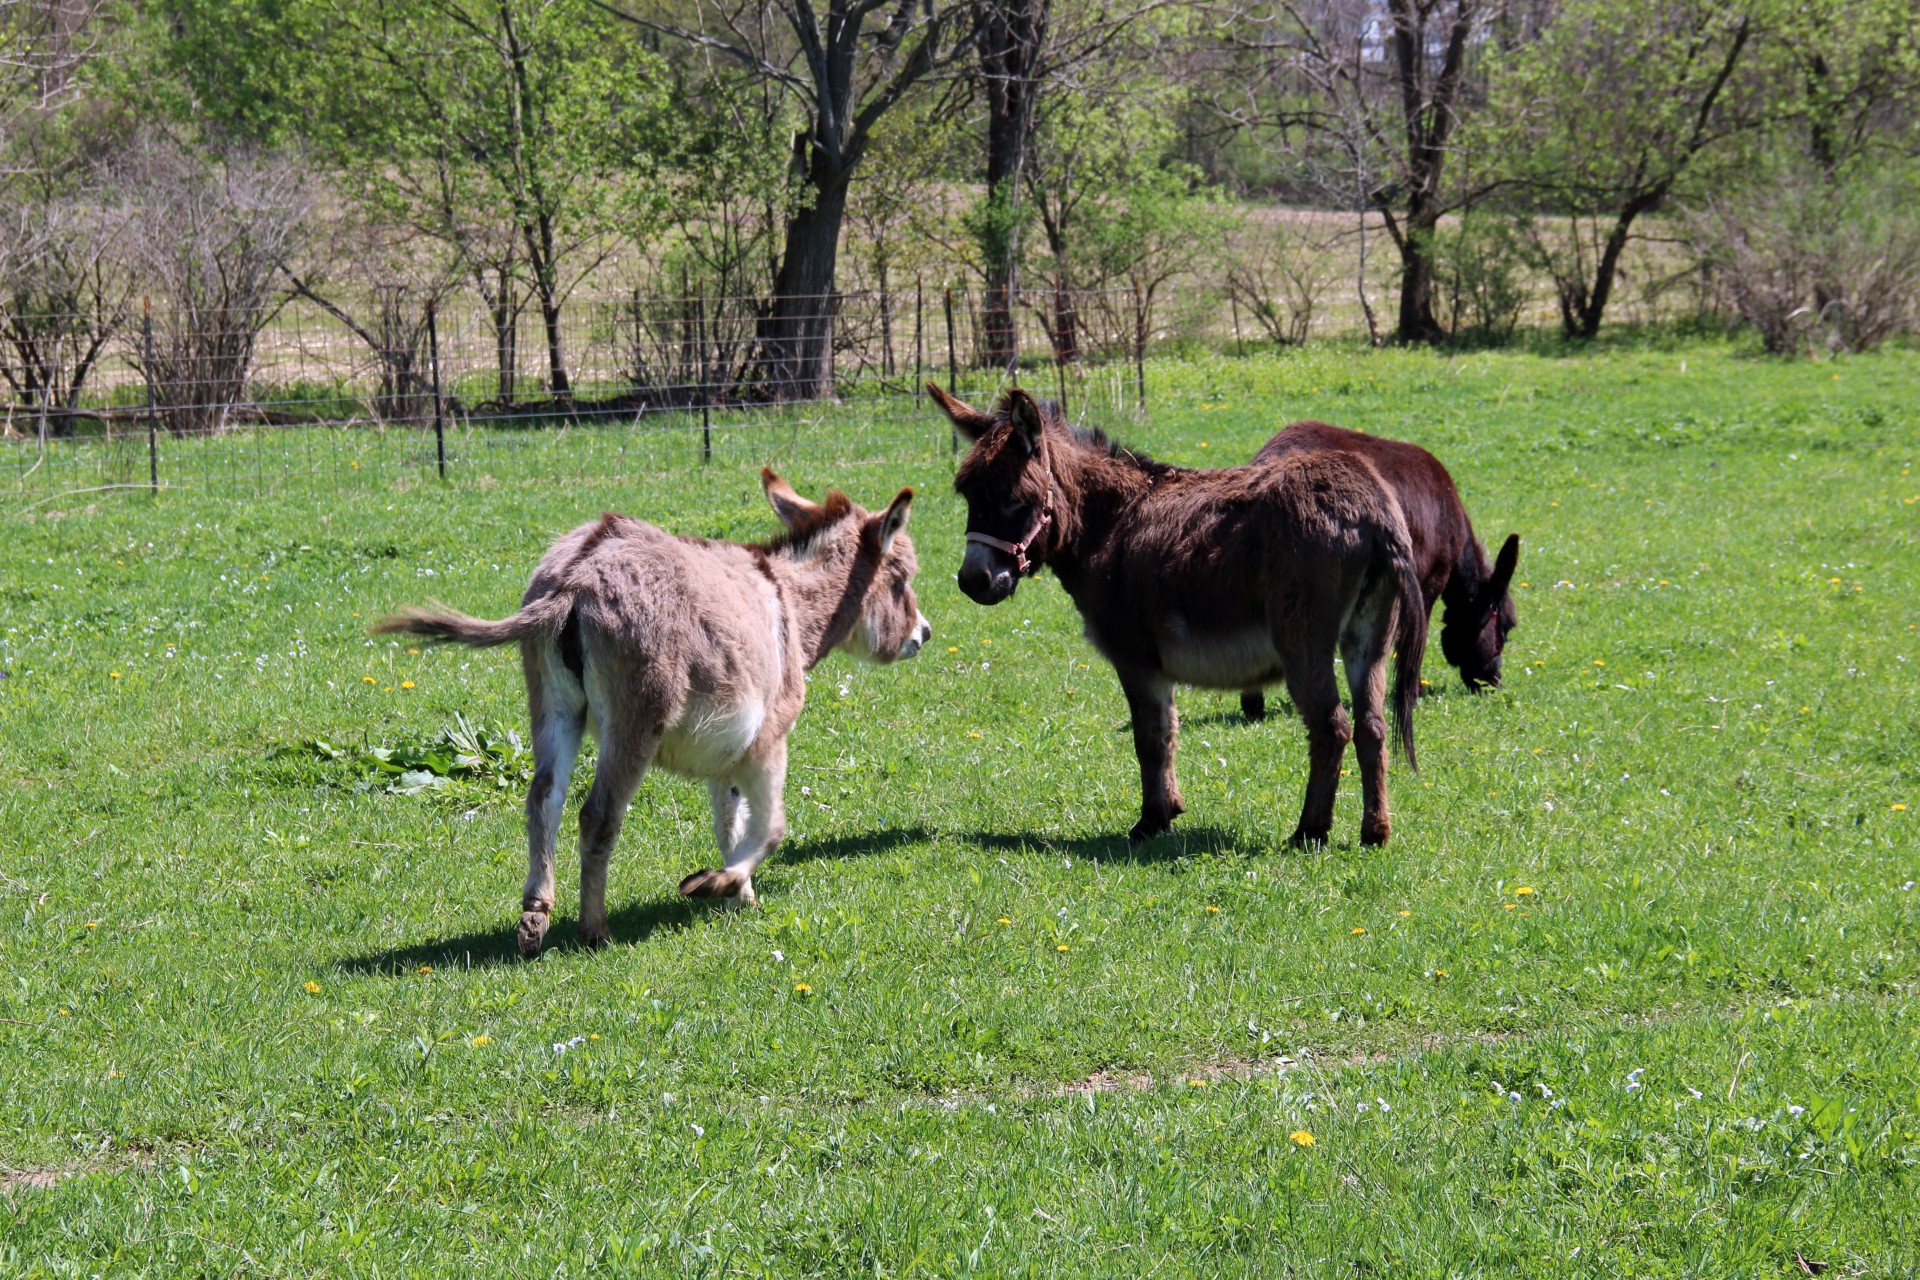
(691, 654)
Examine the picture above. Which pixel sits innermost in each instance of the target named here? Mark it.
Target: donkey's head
(1008, 482)
(883, 617)
(1473, 635)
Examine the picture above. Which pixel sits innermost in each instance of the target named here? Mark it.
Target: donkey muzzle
(922, 632)
(986, 576)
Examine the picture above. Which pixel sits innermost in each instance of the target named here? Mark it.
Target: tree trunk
(1607, 269)
(1417, 322)
(796, 355)
(1011, 35)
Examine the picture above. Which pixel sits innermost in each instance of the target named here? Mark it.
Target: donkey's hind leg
(623, 763)
(1364, 646)
(559, 707)
(1316, 693)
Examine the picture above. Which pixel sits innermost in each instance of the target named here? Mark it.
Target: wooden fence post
(153, 413)
(1139, 344)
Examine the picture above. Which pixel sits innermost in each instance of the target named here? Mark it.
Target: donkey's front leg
(1155, 725)
(761, 781)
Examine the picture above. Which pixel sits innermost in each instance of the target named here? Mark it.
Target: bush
(1281, 276)
(1479, 285)
(1809, 261)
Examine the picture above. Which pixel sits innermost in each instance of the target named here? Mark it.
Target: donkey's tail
(544, 616)
(1410, 639)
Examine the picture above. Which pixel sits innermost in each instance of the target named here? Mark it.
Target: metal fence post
(953, 373)
(919, 348)
(153, 414)
(706, 378)
(433, 363)
(1139, 344)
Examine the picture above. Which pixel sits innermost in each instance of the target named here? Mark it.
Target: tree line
(382, 157)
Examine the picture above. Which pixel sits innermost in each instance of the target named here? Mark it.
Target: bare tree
(208, 239)
(44, 44)
(1374, 92)
(846, 63)
(63, 298)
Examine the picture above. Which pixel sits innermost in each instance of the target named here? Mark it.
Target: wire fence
(410, 382)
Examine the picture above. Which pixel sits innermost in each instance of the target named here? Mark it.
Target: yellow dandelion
(1213, 909)
(972, 735)
(1598, 663)
(113, 675)
(1833, 581)
(1439, 973)
(355, 615)
(594, 1036)
(312, 988)
(66, 1013)
(1508, 905)
(406, 684)
(415, 652)
(1899, 808)
(1524, 585)
(986, 642)
(1196, 1083)
(1524, 890)
(479, 1040)
(1203, 444)
(1356, 931)
(1004, 920)
(953, 648)
(1300, 1138)
(1061, 947)
(388, 689)
(426, 968)
(803, 988)
(95, 924)
(368, 680)
(1405, 914)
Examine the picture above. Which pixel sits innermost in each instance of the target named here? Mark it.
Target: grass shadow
(1183, 841)
(630, 925)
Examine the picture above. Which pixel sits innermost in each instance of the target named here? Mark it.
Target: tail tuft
(1410, 639)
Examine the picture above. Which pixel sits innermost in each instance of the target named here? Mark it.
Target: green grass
(265, 1018)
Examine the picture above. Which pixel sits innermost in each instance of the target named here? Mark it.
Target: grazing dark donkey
(1451, 562)
(1222, 579)
(690, 654)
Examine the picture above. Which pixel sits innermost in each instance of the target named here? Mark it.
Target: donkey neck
(1096, 487)
(821, 586)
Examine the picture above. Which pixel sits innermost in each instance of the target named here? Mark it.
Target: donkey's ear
(967, 420)
(888, 524)
(1503, 567)
(792, 509)
(1024, 412)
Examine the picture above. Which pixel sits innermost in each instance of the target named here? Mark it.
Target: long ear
(1024, 412)
(967, 420)
(888, 524)
(792, 509)
(1503, 568)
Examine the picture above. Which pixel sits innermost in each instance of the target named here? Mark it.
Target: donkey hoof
(1373, 833)
(1148, 828)
(594, 937)
(532, 932)
(709, 883)
(1305, 839)
(1253, 706)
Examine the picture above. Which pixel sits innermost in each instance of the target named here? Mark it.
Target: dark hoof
(710, 884)
(1148, 828)
(1253, 706)
(1373, 833)
(1305, 839)
(595, 939)
(532, 932)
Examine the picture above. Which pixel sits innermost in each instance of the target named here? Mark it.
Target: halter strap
(1018, 550)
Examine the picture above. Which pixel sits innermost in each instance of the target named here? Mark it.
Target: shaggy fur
(1479, 612)
(1229, 579)
(690, 654)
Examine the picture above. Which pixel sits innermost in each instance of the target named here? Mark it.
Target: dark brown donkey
(1452, 564)
(1223, 579)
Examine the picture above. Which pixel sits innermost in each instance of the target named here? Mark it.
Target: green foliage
(1480, 276)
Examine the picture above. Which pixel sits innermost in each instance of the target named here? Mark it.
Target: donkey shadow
(630, 925)
(1183, 841)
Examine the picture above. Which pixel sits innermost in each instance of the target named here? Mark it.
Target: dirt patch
(12, 1180)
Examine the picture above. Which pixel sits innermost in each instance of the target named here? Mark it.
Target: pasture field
(1631, 993)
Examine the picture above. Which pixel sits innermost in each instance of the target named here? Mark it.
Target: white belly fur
(710, 738)
(1229, 660)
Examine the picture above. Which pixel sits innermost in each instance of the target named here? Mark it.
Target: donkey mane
(1092, 437)
(800, 538)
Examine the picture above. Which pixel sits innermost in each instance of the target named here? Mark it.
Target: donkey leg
(1316, 693)
(1253, 704)
(762, 784)
(559, 718)
(622, 766)
(1364, 648)
(729, 815)
(1155, 726)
